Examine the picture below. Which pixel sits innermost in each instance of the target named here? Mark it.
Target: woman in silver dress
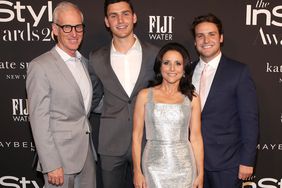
(173, 155)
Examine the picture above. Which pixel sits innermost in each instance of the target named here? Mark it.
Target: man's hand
(245, 172)
(56, 177)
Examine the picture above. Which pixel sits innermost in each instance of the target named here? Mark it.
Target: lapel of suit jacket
(66, 73)
(85, 65)
(115, 85)
(142, 72)
(216, 82)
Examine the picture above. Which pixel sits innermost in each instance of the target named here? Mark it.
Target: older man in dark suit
(229, 108)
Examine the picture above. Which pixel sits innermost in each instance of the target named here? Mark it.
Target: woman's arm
(137, 135)
(197, 140)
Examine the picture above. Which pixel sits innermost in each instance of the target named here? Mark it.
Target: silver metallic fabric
(168, 160)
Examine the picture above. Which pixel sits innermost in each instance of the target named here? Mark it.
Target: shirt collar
(213, 63)
(136, 46)
(66, 57)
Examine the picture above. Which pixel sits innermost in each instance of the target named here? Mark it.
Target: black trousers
(227, 178)
(117, 171)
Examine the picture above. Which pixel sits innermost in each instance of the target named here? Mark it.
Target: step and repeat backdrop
(252, 35)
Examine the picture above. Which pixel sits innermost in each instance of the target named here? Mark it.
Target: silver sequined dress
(168, 160)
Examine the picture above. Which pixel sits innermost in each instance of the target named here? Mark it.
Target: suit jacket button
(129, 102)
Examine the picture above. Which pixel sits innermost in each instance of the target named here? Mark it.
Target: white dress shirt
(211, 70)
(75, 66)
(127, 65)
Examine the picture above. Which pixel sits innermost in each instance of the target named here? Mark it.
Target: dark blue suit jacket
(230, 118)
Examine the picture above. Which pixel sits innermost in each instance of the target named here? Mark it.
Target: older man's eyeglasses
(68, 28)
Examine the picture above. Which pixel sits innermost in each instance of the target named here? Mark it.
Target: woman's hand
(199, 182)
(139, 180)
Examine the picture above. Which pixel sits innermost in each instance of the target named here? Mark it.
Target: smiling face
(208, 40)
(120, 20)
(172, 67)
(69, 42)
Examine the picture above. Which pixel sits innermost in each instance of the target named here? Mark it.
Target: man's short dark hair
(109, 2)
(207, 18)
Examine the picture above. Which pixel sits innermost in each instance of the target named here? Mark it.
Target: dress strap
(150, 95)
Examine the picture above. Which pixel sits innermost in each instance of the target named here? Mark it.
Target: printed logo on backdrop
(265, 15)
(262, 183)
(268, 16)
(15, 70)
(270, 147)
(19, 110)
(161, 27)
(14, 145)
(274, 68)
(22, 21)
(17, 182)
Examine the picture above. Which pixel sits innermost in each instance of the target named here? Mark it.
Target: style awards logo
(268, 17)
(265, 15)
(161, 27)
(262, 183)
(22, 22)
(17, 182)
(20, 110)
